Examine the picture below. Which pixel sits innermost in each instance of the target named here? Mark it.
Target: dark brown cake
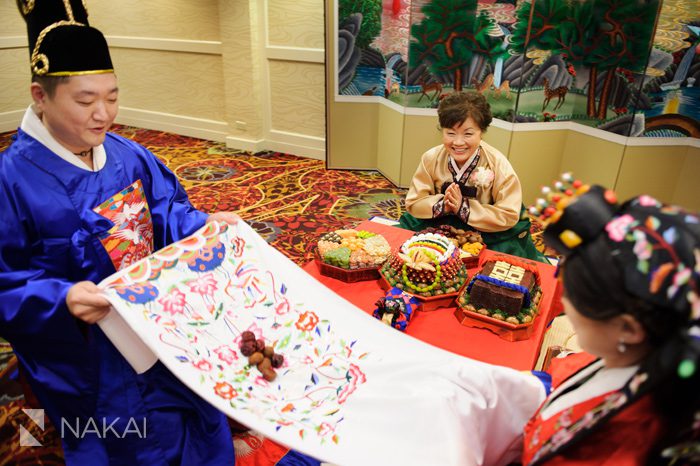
(497, 295)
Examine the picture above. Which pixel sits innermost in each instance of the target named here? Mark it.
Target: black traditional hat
(61, 42)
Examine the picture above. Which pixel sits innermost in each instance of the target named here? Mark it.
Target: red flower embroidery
(238, 245)
(174, 302)
(225, 390)
(204, 285)
(202, 365)
(307, 321)
(355, 377)
(283, 306)
(226, 354)
(324, 429)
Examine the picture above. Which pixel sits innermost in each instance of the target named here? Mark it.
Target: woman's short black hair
(457, 107)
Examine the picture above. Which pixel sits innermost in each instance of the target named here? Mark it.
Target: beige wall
(375, 136)
(14, 66)
(247, 72)
(536, 157)
(686, 193)
(390, 142)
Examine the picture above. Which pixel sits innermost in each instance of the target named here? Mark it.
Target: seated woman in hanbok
(631, 277)
(469, 184)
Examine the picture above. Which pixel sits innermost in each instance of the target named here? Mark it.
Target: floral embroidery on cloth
(131, 238)
(659, 269)
(202, 293)
(339, 393)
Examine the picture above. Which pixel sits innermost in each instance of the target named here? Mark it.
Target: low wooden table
(440, 327)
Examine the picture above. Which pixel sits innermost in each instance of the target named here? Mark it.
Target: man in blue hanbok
(76, 204)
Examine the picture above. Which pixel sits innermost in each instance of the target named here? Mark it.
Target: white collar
(32, 125)
(460, 171)
(601, 380)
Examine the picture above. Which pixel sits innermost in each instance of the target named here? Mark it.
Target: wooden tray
(473, 261)
(429, 303)
(504, 330)
(346, 275)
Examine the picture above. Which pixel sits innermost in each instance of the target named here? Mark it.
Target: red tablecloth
(441, 328)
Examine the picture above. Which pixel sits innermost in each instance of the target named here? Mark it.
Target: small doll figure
(396, 308)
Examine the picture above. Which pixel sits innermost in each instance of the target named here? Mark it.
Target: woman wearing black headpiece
(631, 276)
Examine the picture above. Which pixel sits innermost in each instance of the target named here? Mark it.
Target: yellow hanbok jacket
(498, 200)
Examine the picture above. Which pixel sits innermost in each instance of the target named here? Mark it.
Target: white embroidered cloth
(352, 390)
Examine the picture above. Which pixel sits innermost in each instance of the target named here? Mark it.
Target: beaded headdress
(656, 246)
(61, 42)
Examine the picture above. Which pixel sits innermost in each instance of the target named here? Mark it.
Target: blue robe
(50, 240)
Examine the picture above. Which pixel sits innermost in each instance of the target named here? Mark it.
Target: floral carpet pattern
(290, 201)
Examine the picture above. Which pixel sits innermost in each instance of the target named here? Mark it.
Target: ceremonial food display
(352, 255)
(506, 289)
(469, 242)
(426, 265)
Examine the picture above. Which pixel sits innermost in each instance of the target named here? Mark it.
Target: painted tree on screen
(622, 41)
(449, 36)
(371, 11)
(603, 35)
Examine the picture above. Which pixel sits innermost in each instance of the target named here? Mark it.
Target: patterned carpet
(287, 199)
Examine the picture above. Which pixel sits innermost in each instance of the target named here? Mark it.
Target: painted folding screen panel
(629, 67)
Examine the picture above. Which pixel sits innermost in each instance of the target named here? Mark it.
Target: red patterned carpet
(289, 200)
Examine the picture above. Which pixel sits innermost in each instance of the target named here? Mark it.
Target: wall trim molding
(640, 142)
(250, 145)
(14, 42)
(293, 145)
(302, 54)
(572, 126)
(295, 149)
(10, 121)
(299, 144)
(298, 138)
(212, 130)
(173, 45)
